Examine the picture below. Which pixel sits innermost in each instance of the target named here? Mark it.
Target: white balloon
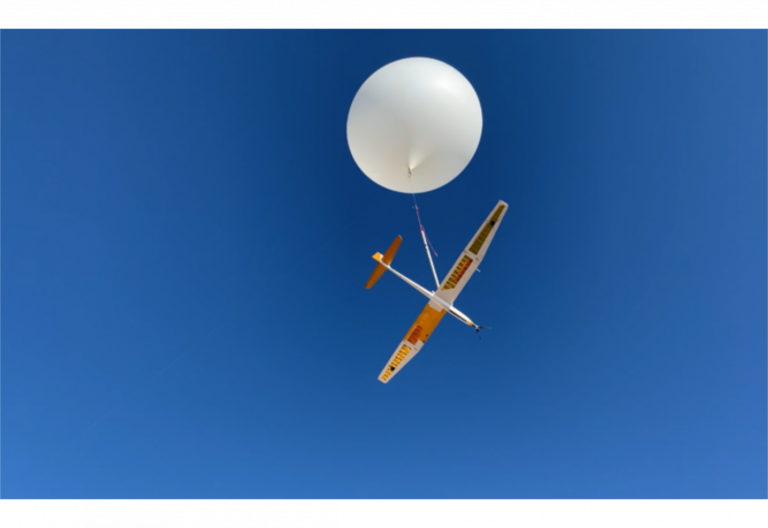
(419, 114)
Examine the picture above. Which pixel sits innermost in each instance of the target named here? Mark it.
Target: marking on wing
(425, 324)
(417, 335)
(480, 240)
(414, 335)
(458, 273)
(399, 357)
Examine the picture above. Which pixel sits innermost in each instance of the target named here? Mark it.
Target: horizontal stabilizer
(386, 259)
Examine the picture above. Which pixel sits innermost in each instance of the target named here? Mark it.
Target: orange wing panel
(418, 334)
(425, 324)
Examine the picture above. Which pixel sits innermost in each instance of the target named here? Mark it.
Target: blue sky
(185, 240)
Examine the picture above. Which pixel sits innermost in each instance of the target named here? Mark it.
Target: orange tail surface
(386, 259)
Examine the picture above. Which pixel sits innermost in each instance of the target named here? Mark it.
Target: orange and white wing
(472, 255)
(415, 338)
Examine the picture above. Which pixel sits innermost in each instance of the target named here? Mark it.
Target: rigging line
(427, 244)
(418, 217)
(430, 244)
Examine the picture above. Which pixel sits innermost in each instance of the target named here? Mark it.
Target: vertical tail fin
(387, 259)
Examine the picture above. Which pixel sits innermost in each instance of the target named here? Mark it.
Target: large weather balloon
(414, 125)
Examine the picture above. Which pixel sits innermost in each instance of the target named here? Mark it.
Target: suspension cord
(427, 243)
(418, 217)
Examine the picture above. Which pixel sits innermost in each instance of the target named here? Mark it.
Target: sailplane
(441, 300)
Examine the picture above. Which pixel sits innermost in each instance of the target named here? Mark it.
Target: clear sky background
(185, 240)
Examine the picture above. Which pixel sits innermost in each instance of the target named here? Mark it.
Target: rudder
(386, 259)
